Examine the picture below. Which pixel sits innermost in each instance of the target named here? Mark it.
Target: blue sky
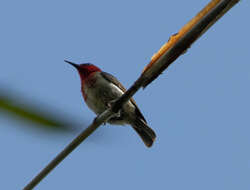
(199, 107)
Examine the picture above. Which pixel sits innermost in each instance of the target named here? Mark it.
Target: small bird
(100, 89)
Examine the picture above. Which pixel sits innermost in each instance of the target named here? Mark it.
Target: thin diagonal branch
(209, 15)
(68, 149)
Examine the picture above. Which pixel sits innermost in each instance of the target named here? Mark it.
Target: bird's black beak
(73, 64)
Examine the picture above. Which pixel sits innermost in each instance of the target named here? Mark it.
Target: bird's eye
(85, 64)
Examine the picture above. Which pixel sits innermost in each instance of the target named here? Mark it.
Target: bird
(100, 89)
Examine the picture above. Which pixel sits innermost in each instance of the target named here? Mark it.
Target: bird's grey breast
(99, 92)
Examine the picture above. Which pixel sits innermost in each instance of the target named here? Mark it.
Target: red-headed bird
(99, 89)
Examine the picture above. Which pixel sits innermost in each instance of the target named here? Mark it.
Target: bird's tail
(144, 131)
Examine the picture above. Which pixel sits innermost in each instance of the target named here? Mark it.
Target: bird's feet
(109, 105)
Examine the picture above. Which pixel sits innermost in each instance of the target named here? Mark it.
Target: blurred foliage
(44, 117)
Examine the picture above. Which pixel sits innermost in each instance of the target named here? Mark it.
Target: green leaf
(32, 112)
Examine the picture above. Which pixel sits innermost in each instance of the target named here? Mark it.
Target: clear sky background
(199, 108)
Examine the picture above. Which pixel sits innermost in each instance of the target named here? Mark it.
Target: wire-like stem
(207, 17)
(68, 149)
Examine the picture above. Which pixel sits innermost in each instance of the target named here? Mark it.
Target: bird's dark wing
(114, 80)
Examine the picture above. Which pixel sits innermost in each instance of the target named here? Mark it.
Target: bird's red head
(84, 69)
